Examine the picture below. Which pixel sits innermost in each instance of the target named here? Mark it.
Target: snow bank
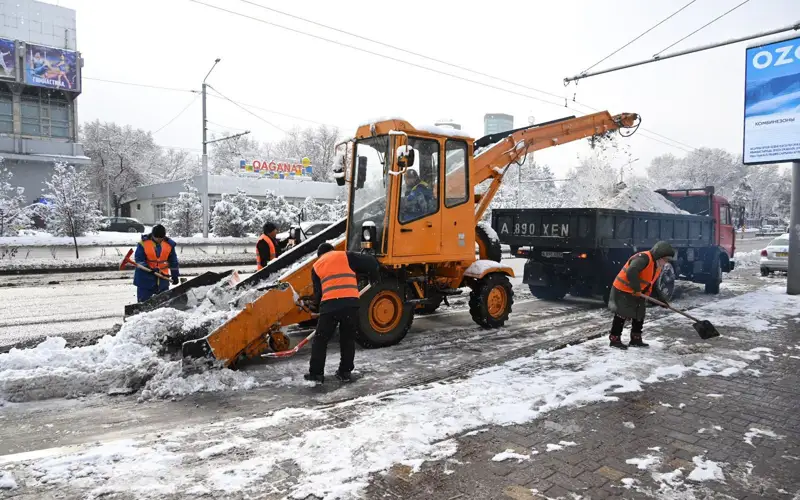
(145, 353)
(7, 481)
(641, 199)
(113, 262)
(110, 238)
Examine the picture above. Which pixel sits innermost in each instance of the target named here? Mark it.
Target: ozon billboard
(772, 103)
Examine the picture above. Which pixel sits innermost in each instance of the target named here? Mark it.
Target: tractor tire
(714, 276)
(488, 248)
(383, 318)
(490, 300)
(552, 292)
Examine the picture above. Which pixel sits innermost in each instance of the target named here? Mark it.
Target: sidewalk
(735, 436)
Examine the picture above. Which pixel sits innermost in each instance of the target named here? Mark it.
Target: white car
(776, 256)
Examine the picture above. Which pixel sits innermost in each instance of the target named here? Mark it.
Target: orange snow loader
(414, 205)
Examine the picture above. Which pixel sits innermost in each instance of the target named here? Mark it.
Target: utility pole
(793, 277)
(205, 154)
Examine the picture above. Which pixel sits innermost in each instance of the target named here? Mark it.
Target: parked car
(776, 256)
(121, 225)
(308, 229)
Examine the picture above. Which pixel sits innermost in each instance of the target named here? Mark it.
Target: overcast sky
(696, 100)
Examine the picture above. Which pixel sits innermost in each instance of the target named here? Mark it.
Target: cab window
(456, 180)
(420, 191)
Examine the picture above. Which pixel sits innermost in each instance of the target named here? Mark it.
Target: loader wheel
(490, 300)
(383, 318)
(488, 248)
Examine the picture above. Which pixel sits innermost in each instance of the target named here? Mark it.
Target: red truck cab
(703, 201)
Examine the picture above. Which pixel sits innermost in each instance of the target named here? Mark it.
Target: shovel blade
(705, 329)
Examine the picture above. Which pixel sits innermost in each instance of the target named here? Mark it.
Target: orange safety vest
(272, 252)
(158, 262)
(337, 279)
(648, 275)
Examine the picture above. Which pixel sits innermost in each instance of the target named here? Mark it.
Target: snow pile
(644, 463)
(641, 199)
(145, 353)
(754, 432)
(7, 481)
(509, 454)
(706, 470)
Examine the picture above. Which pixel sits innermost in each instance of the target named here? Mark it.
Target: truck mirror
(361, 174)
(405, 157)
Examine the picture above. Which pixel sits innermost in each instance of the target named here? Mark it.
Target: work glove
(174, 279)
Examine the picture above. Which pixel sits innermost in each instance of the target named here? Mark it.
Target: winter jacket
(148, 280)
(264, 252)
(418, 202)
(361, 264)
(628, 305)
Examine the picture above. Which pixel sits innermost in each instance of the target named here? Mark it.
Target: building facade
(40, 81)
(494, 123)
(151, 201)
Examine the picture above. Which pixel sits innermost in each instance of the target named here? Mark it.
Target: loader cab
(410, 195)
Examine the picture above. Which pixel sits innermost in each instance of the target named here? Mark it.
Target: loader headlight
(366, 234)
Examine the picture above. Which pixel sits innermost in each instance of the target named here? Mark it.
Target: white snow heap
(639, 198)
(7, 481)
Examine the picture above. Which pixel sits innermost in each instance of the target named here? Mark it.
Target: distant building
(151, 201)
(448, 124)
(497, 122)
(40, 81)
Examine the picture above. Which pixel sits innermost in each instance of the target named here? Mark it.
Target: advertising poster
(8, 58)
(772, 103)
(277, 170)
(51, 68)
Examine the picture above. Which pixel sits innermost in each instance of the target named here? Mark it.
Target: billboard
(8, 58)
(772, 103)
(51, 68)
(277, 170)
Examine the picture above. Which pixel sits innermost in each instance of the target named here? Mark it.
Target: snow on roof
(446, 131)
(252, 186)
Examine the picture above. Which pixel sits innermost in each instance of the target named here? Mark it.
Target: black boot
(311, 377)
(616, 342)
(343, 376)
(636, 341)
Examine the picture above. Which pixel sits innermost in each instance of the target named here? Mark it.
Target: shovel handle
(145, 268)
(664, 304)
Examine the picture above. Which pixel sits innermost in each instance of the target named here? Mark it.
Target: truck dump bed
(599, 228)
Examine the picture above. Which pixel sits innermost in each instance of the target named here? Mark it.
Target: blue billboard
(51, 68)
(772, 103)
(8, 58)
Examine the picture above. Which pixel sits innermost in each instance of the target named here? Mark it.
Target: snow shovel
(703, 327)
(128, 262)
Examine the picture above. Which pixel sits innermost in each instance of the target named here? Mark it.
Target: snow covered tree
(14, 213)
(184, 214)
(123, 158)
(224, 156)
(277, 210)
(175, 165)
(234, 215)
(592, 183)
(699, 168)
(72, 211)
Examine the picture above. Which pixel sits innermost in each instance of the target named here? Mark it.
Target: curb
(89, 269)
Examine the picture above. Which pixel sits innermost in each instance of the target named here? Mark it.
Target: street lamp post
(205, 154)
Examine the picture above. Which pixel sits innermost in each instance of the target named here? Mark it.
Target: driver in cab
(419, 197)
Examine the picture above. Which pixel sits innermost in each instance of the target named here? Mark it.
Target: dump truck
(579, 251)
(416, 196)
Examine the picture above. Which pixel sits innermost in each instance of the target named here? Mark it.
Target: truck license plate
(553, 255)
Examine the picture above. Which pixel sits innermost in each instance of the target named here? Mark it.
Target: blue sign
(51, 68)
(772, 103)
(8, 58)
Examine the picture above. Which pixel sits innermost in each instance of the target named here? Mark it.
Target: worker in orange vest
(267, 245)
(637, 277)
(336, 291)
(157, 252)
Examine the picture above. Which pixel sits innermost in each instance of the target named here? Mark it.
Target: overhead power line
(641, 35)
(138, 84)
(272, 111)
(701, 28)
(247, 110)
(440, 61)
(194, 99)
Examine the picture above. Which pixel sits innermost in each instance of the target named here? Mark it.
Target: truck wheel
(383, 318)
(552, 292)
(490, 300)
(666, 283)
(714, 276)
(488, 248)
